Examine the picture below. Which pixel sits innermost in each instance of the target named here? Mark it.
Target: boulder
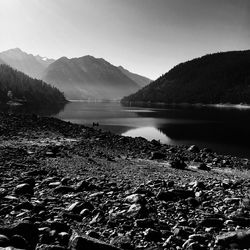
(82, 242)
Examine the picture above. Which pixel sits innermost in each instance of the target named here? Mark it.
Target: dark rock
(122, 242)
(234, 240)
(193, 149)
(175, 194)
(80, 242)
(64, 189)
(25, 229)
(24, 205)
(212, 222)
(203, 166)
(144, 223)
(178, 164)
(63, 238)
(72, 216)
(23, 189)
(181, 232)
(85, 186)
(29, 180)
(152, 235)
(241, 221)
(59, 226)
(157, 155)
(93, 234)
(193, 202)
(18, 241)
(4, 241)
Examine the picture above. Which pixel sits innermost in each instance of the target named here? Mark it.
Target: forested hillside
(216, 78)
(16, 85)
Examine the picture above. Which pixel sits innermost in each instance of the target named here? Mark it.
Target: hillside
(27, 63)
(23, 87)
(142, 81)
(215, 78)
(89, 78)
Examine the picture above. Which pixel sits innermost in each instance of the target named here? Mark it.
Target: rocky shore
(67, 186)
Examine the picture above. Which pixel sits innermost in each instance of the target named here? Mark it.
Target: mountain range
(215, 78)
(27, 63)
(85, 77)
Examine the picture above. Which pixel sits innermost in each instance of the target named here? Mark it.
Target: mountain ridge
(27, 63)
(222, 77)
(89, 78)
(142, 81)
(83, 77)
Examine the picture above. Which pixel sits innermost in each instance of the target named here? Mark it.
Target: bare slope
(89, 78)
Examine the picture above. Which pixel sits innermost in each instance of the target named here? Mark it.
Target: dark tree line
(215, 78)
(16, 85)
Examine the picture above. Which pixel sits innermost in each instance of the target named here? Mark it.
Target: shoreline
(60, 179)
(214, 105)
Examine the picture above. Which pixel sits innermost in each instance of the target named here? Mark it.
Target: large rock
(175, 194)
(178, 164)
(157, 155)
(234, 240)
(64, 189)
(4, 241)
(84, 242)
(24, 189)
(24, 229)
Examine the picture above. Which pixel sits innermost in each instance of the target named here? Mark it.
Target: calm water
(226, 130)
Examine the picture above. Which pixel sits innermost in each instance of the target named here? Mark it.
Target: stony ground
(66, 186)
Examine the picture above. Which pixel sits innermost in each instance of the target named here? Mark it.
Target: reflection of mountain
(203, 124)
(40, 110)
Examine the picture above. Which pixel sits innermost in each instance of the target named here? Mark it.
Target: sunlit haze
(145, 36)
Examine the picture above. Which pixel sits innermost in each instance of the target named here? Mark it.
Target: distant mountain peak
(27, 63)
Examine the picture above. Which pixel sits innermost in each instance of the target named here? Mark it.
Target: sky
(148, 37)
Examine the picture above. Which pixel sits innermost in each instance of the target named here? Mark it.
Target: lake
(223, 129)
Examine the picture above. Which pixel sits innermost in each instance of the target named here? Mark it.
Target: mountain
(215, 78)
(80, 78)
(15, 85)
(142, 81)
(88, 77)
(29, 64)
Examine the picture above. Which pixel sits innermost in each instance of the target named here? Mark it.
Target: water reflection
(149, 133)
(223, 129)
(45, 110)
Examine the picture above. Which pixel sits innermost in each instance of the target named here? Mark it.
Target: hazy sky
(145, 36)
